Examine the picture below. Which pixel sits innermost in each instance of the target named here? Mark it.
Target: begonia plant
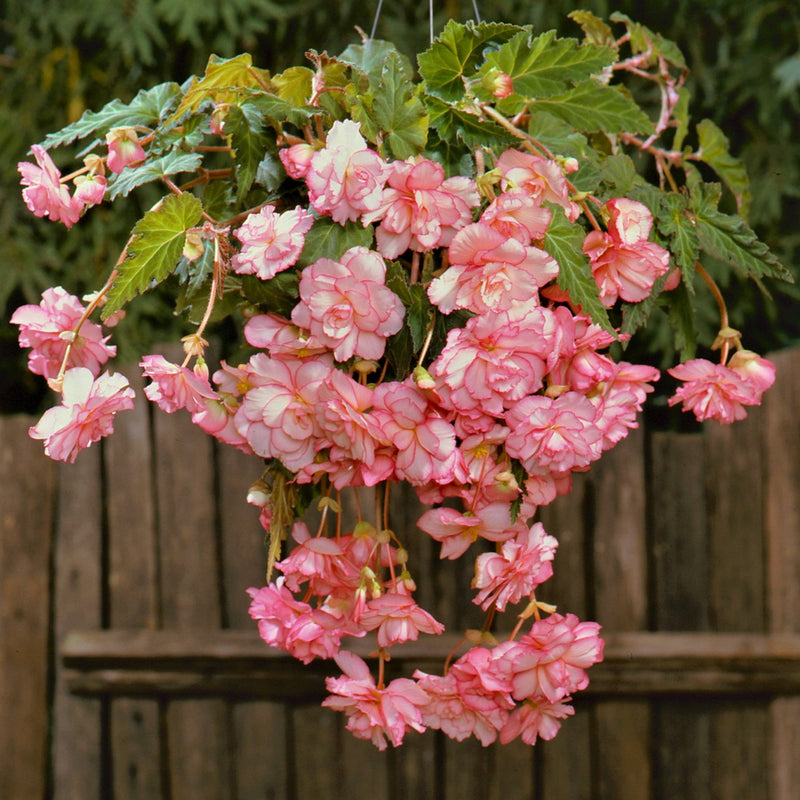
(430, 267)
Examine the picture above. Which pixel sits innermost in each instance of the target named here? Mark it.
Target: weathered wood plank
(564, 764)
(78, 770)
(782, 523)
(733, 457)
(135, 741)
(619, 545)
(27, 485)
(197, 730)
(259, 752)
(681, 592)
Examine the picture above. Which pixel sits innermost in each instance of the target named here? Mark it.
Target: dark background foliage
(58, 59)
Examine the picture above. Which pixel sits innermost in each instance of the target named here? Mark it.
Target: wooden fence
(130, 669)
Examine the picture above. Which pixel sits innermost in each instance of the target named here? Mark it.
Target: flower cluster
(405, 323)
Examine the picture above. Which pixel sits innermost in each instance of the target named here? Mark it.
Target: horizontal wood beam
(240, 665)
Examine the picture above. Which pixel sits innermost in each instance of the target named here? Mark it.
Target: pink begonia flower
(549, 435)
(346, 178)
(44, 194)
(86, 413)
(620, 400)
(473, 699)
(714, 391)
(89, 190)
(278, 416)
(217, 420)
(489, 272)
(457, 531)
(124, 149)
(514, 573)
(281, 338)
(551, 660)
(535, 719)
(347, 306)
(294, 626)
(271, 242)
(757, 371)
(47, 329)
(420, 209)
(458, 717)
(175, 387)
(495, 360)
(579, 365)
(425, 442)
(312, 560)
(372, 713)
(624, 264)
(296, 159)
(540, 177)
(398, 619)
(519, 215)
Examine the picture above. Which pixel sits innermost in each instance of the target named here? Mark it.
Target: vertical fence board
(77, 767)
(132, 591)
(678, 517)
(259, 728)
(564, 765)
(782, 520)
(317, 768)
(27, 484)
(620, 604)
(733, 458)
(197, 730)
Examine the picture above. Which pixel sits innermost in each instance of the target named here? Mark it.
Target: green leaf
(714, 151)
(275, 108)
(245, 125)
(619, 173)
(155, 248)
(398, 111)
(419, 310)
(729, 239)
(592, 107)
(225, 81)
(457, 124)
(681, 115)
(371, 56)
(681, 317)
(328, 239)
(674, 221)
(147, 109)
(545, 65)
(279, 294)
(595, 30)
(171, 164)
(456, 54)
(294, 85)
(564, 241)
(397, 281)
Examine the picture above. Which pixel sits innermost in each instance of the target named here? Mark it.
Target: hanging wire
(430, 17)
(375, 21)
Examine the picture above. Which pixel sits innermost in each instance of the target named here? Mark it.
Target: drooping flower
(347, 306)
(44, 194)
(420, 209)
(535, 719)
(540, 177)
(345, 179)
(553, 435)
(175, 387)
(518, 214)
(48, 328)
(713, 391)
(124, 149)
(296, 159)
(624, 263)
(86, 413)
(490, 272)
(278, 416)
(271, 242)
(375, 714)
(457, 531)
(398, 618)
(514, 573)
